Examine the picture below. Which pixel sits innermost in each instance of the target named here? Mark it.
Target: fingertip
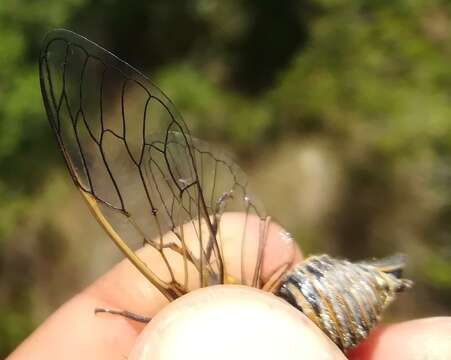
(232, 322)
(428, 338)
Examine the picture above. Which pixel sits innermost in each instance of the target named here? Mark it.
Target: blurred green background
(339, 111)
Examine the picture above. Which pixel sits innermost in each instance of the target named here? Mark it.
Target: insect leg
(275, 278)
(124, 313)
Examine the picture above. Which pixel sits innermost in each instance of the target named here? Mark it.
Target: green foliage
(371, 79)
(14, 325)
(378, 71)
(437, 271)
(24, 144)
(375, 78)
(214, 113)
(22, 135)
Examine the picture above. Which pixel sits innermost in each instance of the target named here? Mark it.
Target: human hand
(220, 322)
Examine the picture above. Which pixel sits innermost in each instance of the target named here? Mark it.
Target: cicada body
(344, 299)
(151, 184)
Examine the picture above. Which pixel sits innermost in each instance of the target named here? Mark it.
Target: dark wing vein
(132, 156)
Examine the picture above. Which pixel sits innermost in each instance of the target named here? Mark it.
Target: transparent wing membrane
(147, 180)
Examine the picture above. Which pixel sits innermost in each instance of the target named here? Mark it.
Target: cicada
(149, 181)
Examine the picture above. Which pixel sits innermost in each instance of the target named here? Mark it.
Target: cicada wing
(132, 156)
(224, 192)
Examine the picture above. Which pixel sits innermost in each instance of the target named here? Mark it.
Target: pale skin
(220, 322)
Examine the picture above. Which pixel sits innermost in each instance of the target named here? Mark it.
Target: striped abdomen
(344, 299)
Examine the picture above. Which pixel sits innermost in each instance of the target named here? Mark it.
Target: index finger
(82, 334)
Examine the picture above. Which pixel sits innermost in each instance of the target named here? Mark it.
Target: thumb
(232, 322)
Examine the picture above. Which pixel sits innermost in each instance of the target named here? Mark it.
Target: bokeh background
(339, 111)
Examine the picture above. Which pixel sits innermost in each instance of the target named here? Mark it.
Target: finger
(125, 288)
(413, 340)
(80, 333)
(74, 332)
(232, 322)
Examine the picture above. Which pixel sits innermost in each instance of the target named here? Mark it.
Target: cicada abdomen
(342, 298)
